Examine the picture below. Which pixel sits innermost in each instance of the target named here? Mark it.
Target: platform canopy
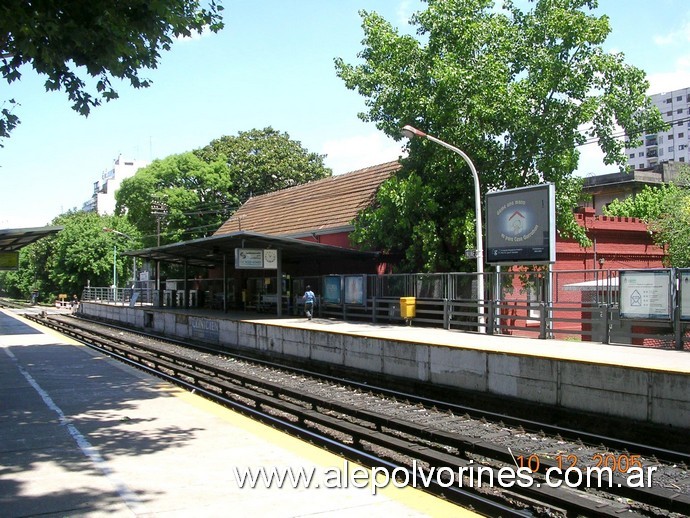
(210, 251)
(14, 239)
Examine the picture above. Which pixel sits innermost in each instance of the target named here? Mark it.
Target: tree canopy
(666, 210)
(201, 189)
(513, 89)
(262, 161)
(80, 254)
(197, 197)
(74, 42)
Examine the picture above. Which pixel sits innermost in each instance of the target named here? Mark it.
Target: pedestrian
(309, 299)
(75, 302)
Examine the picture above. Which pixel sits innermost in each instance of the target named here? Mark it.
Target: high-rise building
(103, 199)
(670, 145)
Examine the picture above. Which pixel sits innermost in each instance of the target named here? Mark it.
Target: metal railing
(577, 305)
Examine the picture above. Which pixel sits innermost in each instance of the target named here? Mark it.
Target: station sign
(256, 259)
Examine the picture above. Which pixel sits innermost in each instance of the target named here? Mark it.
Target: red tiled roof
(328, 204)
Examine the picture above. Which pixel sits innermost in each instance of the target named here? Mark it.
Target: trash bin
(407, 307)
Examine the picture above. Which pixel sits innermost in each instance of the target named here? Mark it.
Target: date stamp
(621, 463)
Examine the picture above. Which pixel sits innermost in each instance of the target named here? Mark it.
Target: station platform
(84, 435)
(634, 383)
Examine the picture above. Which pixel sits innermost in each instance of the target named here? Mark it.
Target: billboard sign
(521, 225)
(332, 289)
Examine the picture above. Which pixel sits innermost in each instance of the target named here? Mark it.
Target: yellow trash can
(407, 307)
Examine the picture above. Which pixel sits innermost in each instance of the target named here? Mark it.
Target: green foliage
(666, 210)
(97, 41)
(648, 205)
(81, 253)
(262, 161)
(510, 88)
(198, 195)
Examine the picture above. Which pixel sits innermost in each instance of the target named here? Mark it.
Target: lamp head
(410, 132)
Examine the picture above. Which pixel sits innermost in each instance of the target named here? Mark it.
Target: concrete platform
(636, 383)
(83, 435)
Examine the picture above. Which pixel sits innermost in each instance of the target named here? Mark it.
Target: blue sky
(272, 65)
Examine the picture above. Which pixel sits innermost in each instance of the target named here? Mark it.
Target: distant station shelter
(14, 239)
(274, 245)
(237, 257)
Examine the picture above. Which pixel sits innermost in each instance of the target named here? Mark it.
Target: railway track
(409, 440)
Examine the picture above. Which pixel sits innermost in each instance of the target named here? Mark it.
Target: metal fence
(577, 305)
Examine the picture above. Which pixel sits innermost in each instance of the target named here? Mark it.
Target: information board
(684, 295)
(645, 294)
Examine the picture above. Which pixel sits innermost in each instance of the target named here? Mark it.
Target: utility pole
(160, 210)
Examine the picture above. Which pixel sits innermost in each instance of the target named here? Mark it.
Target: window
(641, 166)
(641, 153)
(680, 110)
(680, 123)
(661, 151)
(669, 113)
(670, 137)
(681, 134)
(681, 159)
(661, 139)
(632, 155)
(681, 147)
(669, 100)
(679, 98)
(670, 149)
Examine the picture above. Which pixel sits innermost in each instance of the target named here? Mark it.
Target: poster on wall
(521, 225)
(684, 294)
(332, 290)
(354, 289)
(645, 294)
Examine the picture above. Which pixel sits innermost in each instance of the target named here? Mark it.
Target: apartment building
(670, 145)
(102, 200)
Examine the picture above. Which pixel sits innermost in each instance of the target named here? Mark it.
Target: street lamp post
(134, 261)
(410, 132)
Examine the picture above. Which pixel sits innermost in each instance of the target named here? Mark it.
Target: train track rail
(447, 460)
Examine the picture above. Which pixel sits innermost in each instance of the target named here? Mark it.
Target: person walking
(309, 299)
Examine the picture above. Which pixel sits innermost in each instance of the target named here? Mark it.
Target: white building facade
(103, 199)
(670, 145)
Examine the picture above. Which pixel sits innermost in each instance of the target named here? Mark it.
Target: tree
(80, 254)
(198, 197)
(71, 42)
(648, 205)
(510, 88)
(666, 210)
(262, 161)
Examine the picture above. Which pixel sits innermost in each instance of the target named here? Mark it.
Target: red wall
(623, 243)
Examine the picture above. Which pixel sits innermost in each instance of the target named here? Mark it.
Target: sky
(272, 65)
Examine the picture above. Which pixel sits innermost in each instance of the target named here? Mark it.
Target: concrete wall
(637, 394)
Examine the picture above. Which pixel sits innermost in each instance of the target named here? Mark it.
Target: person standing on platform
(309, 299)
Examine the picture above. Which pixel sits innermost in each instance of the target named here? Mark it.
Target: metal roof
(209, 251)
(13, 239)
